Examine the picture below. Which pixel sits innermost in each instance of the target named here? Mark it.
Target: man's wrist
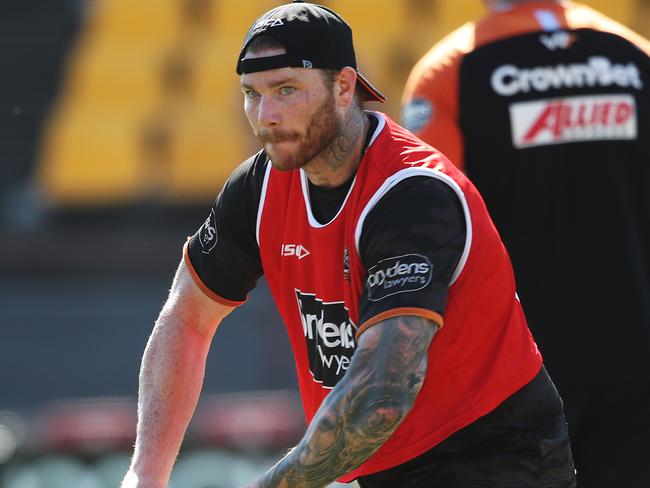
(134, 480)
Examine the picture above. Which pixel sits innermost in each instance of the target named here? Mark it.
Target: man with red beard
(415, 363)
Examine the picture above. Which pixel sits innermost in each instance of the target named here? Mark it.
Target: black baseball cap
(313, 36)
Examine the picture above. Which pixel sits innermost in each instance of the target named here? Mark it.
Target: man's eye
(287, 90)
(251, 94)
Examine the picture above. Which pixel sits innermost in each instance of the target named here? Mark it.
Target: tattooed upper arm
(389, 365)
(366, 406)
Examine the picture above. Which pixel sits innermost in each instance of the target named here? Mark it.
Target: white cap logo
(266, 23)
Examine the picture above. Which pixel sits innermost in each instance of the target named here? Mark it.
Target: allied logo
(329, 335)
(573, 119)
(417, 114)
(399, 274)
(296, 250)
(208, 233)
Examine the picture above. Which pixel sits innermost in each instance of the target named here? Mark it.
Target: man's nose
(267, 113)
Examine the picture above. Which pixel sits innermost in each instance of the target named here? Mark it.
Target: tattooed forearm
(364, 409)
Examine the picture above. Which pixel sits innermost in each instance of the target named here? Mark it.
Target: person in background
(546, 107)
(415, 364)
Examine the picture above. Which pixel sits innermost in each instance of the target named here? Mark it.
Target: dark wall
(82, 335)
(34, 39)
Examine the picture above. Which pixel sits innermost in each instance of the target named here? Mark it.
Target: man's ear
(345, 86)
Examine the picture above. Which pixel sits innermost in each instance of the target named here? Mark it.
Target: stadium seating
(118, 76)
(153, 22)
(94, 151)
(150, 106)
(205, 148)
(90, 157)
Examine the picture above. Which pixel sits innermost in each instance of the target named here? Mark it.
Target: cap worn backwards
(313, 37)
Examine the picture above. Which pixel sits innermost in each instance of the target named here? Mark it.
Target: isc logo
(297, 250)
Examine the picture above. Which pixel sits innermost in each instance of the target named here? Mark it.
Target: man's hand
(131, 480)
(364, 409)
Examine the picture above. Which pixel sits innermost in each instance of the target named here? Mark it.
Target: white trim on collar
(419, 171)
(304, 181)
(260, 207)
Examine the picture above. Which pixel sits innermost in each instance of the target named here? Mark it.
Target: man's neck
(338, 162)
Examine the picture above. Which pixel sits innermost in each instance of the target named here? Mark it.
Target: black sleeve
(411, 244)
(223, 253)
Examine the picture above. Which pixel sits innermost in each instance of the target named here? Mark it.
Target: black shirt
(419, 214)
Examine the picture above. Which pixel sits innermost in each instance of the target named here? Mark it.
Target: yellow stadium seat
(215, 81)
(381, 17)
(232, 18)
(624, 11)
(641, 20)
(91, 158)
(206, 146)
(141, 21)
(451, 15)
(375, 24)
(109, 74)
(93, 151)
(377, 28)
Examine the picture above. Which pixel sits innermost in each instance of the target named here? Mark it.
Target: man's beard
(321, 131)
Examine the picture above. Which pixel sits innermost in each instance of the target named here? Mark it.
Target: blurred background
(119, 122)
